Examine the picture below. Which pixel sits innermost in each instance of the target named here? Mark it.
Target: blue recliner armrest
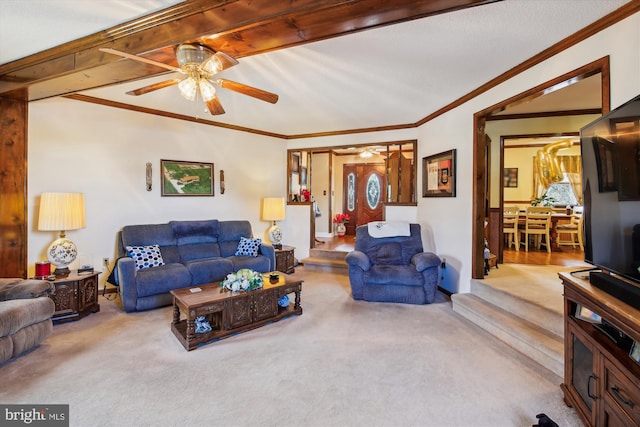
(126, 272)
(358, 259)
(425, 260)
(269, 252)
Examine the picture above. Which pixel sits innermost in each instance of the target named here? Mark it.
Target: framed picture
(186, 178)
(294, 165)
(439, 175)
(303, 176)
(510, 177)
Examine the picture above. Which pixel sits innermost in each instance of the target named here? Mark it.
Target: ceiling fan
(200, 64)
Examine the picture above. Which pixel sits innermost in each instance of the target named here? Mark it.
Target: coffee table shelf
(230, 312)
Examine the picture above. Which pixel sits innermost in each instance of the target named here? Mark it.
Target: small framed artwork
(294, 164)
(180, 178)
(439, 175)
(510, 177)
(583, 313)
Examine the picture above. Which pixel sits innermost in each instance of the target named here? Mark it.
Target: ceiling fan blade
(141, 59)
(248, 90)
(225, 60)
(214, 106)
(155, 86)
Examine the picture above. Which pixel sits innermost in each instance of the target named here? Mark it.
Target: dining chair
(538, 224)
(574, 231)
(510, 226)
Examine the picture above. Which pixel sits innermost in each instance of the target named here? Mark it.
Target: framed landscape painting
(181, 178)
(439, 175)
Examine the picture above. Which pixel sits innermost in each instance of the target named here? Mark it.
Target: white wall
(102, 152)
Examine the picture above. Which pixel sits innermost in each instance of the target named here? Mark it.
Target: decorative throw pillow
(248, 247)
(146, 256)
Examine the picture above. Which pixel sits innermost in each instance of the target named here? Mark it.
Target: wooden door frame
(601, 66)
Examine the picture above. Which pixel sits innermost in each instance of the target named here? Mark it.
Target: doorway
(481, 118)
(363, 188)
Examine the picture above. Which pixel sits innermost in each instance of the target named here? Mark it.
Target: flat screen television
(611, 194)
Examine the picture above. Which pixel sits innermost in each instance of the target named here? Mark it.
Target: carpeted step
(338, 266)
(327, 254)
(529, 339)
(533, 312)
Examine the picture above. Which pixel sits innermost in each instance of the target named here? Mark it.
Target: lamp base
(61, 271)
(275, 235)
(61, 253)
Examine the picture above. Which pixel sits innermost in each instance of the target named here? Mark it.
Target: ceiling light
(207, 90)
(188, 88)
(366, 154)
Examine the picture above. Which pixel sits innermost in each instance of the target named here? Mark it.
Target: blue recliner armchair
(392, 269)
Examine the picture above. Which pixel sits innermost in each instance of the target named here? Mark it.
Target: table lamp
(61, 212)
(273, 210)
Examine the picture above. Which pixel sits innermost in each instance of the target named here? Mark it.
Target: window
(562, 193)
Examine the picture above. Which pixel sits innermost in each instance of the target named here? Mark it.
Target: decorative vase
(340, 229)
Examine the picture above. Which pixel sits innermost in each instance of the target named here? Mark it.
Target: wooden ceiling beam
(237, 27)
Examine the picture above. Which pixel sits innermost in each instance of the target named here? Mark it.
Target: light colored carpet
(342, 363)
(538, 284)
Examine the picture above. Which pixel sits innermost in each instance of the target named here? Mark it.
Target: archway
(480, 172)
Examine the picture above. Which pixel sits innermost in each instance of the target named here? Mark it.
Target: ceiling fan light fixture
(188, 88)
(207, 90)
(213, 65)
(192, 54)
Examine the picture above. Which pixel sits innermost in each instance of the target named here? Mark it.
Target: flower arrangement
(341, 218)
(242, 280)
(306, 195)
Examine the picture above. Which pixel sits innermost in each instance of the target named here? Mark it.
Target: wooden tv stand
(601, 381)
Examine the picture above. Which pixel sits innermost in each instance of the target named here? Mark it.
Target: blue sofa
(192, 253)
(392, 269)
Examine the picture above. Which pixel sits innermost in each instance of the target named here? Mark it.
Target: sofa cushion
(258, 263)
(195, 231)
(19, 313)
(146, 256)
(151, 281)
(22, 289)
(248, 247)
(152, 234)
(389, 253)
(230, 234)
(393, 275)
(208, 270)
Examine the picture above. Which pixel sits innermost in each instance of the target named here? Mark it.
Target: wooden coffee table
(230, 312)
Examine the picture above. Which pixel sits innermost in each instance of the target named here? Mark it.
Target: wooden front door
(363, 194)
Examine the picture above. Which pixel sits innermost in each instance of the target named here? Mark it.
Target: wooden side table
(76, 296)
(285, 260)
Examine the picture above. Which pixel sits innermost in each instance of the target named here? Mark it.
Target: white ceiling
(392, 75)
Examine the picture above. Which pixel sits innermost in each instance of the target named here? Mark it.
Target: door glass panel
(373, 191)
(351, 192)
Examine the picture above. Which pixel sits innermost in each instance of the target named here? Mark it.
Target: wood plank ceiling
(239, 28)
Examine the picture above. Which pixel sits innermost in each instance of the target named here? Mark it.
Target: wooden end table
(76, 296)
(230, 312)
(285, 259)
